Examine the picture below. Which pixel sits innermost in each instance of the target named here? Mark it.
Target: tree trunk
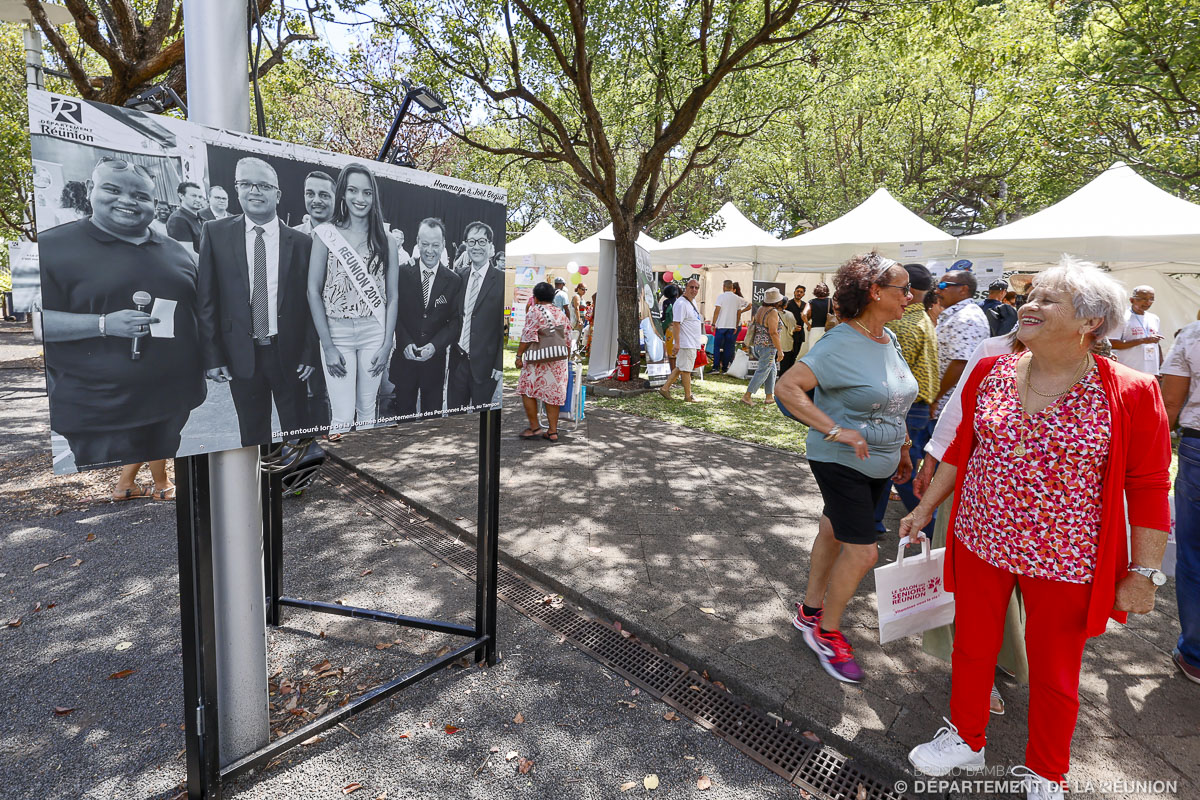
(628, 318)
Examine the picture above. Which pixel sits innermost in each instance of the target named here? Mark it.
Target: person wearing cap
(960, 328)
(918, 344)
(765, 346)
(560, 297)
(1001, 317)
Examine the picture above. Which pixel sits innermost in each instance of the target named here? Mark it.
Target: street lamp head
(427, 99)
(17, 11)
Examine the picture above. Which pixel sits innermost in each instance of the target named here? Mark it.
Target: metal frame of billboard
(205, 775)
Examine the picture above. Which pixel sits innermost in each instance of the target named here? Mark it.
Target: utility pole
(219, 95)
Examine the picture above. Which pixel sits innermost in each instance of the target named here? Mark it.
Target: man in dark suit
(184, 223)
(255, 325)
(429, 321)
(475, 360)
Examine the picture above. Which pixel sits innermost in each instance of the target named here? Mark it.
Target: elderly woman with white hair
(1054, 449)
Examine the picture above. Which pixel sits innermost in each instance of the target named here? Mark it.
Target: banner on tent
(26, 286)
(647, 307)
(985, 268)
(760, 289)
(525, 278)
(177, 326)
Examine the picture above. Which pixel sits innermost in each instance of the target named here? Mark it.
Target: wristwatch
(100, 323)
(1156, 576)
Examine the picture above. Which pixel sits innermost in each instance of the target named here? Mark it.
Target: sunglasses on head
(120, 165)
(944, 284)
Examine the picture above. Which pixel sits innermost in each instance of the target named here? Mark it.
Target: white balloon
(572, 267)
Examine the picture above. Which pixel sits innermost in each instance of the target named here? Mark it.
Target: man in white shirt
(688, 327)
(561, 300)
(1138, 345)
(725, 325)
(960, 329)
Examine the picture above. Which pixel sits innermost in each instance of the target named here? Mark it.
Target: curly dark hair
(853, 282)
(821, 290)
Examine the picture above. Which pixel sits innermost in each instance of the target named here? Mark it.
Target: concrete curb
(696, 657)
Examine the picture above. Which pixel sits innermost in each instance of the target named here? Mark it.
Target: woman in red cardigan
(1053, 449)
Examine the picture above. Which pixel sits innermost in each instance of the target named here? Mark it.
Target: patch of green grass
(717, 412)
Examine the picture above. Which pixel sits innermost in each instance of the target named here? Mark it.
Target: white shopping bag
(1169, 554)
(910, 594)
(740, 365)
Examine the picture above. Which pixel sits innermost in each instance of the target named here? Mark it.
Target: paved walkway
(700, 544)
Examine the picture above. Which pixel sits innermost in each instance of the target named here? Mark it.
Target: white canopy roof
(733, 239)
(589, 248)
(541, 242)
(879, 222)
(1119, 216)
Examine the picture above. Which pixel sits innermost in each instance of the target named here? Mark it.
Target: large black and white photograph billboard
(205, 290)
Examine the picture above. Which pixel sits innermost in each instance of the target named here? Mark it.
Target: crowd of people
(302, 323)
(997, 401)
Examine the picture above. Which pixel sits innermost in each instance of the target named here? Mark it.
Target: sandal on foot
(333, 437)
(996, 701)
(530, 433)
(550, 436)
(130, 494)
(167, 495)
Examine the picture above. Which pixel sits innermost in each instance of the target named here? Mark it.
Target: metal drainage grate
(826, 772)
(816, 769)
(779, 748)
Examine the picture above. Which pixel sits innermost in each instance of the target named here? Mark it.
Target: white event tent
(880, 222)
(733, 240)
(539, 247)
(1121, 220)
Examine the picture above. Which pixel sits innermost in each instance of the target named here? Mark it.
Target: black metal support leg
(272, 504)
(487, 542)
(198, 623)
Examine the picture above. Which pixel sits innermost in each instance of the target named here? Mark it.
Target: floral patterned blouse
(1032, 493)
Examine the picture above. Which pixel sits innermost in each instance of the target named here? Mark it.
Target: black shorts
(850, 501)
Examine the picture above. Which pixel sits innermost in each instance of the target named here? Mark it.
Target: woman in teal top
(857, 439)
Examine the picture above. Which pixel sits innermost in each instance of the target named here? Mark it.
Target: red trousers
(1056, 613)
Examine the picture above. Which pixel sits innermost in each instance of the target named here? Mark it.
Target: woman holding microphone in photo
(352, 284)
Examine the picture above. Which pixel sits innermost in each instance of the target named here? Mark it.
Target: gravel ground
(109, 605)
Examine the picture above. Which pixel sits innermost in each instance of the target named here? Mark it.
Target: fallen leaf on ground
(382, 795)
(15, 622)
(124, 645)
(862, 792)
(406, 734)
(442, 651)
(383, 645)
(519, 718)
(625, 787)
(312, 740)
(61, 711)
(450, 729)
(351, 787)
(78, 561)
(524, 765)
(91, 537)
(40, 566)
(708, 610)
(510, 755)
(670, 716)
(324, 665)
(703, 783)
(650, 781)
(125, 673)
(812, 737)
(365, 573)
(636, 692)
(37, 608)
(62, 558)
(493, 749)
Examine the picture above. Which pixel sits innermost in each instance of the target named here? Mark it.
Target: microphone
(141, 300)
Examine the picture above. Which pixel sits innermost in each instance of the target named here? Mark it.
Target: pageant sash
(355, 268)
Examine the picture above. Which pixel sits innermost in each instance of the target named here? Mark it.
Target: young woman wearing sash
(352, 283)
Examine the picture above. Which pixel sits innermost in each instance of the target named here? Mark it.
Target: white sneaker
(1036, 787)
(947, 752)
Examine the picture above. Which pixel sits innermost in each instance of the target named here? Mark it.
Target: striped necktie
(469, 309)
(427, 284)
(259, 302)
